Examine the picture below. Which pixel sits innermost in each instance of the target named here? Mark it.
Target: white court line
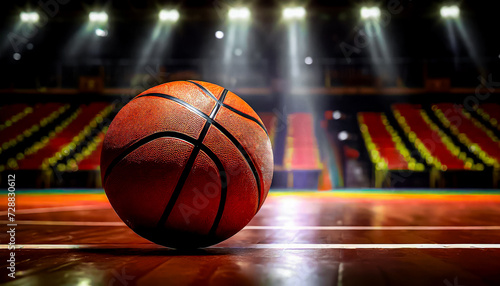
(404, 227)
(269, 227)
(374, 246)
(56, 209)
(268, 246)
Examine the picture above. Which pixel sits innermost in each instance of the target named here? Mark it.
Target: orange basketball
(186, 164)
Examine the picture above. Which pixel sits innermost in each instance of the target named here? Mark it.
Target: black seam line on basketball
(205, 91)
(210, 154)
(223, 193)
(246, 116)
(189, 165)
(180, 184)
(141, 142)
(222, 172)
(182, 179)
(197, 111)
(219, 104)
(221, 129)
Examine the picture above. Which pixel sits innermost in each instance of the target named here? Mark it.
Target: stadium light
(169, 15)
(449, 12)
(242, 13)
(29, 17)
(343, 135)
(370, 13)
(337, 115)
(98, 17)
(294, 13)
(219, 34)
(101, 32)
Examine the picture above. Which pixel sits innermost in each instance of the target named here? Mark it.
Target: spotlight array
(30, 17)
(370, 13)
(169, 15)
(450, 12)
(98, 17)
(242, 13)
(238, 13)
(291, 13)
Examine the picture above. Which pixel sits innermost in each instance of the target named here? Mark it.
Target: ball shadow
(113, 251)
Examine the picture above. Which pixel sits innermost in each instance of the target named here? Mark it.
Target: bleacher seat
(25, 127)
(302, 151)
(437, 149)
(472, 133)
(64, 135)
(384, 149)
(491, 113)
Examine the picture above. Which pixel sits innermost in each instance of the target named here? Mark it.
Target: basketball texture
(186, 164)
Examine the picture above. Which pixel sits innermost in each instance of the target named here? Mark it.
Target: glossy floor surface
(311, 238)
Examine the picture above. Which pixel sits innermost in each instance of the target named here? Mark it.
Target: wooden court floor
(359, 237)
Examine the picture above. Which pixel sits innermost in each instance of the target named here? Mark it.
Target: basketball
(186, 164)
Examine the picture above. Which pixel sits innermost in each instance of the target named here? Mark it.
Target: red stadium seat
(83, 117)
(470, 131)
(302, 149)
(376, 132)
(431, 139)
